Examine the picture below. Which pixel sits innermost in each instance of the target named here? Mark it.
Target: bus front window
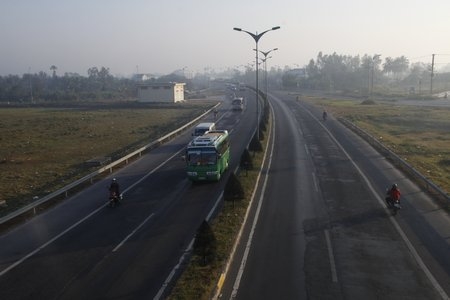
(194, 158)
(198, 158)
(209, 158)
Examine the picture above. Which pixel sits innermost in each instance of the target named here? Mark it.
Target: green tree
(395, 67)
(205, 244)
(53, 68)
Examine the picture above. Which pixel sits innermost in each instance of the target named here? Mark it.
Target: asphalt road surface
(83, 249)
(319, 229)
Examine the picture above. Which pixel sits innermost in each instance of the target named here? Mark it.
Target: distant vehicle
(237, 104)
(208, 156)
(201, 128)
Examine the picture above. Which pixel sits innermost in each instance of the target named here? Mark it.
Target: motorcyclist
(393, 194)
(114, 188)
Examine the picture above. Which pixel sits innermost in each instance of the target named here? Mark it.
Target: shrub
(233, 189)
(246, 160)
(255, 144)
(205, 244)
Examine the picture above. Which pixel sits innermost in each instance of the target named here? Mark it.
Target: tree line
(98, 85)
(362, 74)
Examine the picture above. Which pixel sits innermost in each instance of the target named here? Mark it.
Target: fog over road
(320, 229)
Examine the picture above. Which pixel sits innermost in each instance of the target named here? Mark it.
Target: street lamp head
(276, 27)
(237, 29)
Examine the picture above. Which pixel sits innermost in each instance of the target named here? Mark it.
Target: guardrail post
(152, 145)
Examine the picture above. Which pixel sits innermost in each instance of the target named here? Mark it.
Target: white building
(161, 92)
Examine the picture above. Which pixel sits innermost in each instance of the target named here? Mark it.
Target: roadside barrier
(32, 207)
(411, 171)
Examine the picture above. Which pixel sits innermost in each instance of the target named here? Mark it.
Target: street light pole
(256, 37)
(265, 67)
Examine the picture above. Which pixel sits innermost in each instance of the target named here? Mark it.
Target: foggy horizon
(160, 38)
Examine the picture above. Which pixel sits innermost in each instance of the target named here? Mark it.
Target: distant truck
(201, 128)
(237, 104)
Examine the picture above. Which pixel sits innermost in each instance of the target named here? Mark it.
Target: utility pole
(432, 73)
(31, 86)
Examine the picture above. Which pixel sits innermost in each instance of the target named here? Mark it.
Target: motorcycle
(392, 204)
(114, 199)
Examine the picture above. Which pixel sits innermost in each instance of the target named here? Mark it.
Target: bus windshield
(201, 157)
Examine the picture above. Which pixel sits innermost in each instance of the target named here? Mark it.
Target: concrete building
(161, 92)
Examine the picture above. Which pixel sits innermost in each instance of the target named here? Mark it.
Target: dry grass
(420, 135)
(43, 149)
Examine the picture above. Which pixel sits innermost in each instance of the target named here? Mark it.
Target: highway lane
(322, 230)
(83, 249)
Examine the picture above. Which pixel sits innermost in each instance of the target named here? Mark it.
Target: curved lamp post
(265, 67)
(257, 37)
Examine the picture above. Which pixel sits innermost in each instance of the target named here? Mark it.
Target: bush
(205, 244)
(255, 144)
(246, 160)
(233, 189)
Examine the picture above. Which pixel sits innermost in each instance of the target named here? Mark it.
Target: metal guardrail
(429, 185)
(65, 190)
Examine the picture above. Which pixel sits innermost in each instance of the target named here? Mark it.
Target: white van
(237, 103)
(201, 128)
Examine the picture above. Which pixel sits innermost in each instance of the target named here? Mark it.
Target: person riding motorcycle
(114, 189)
(393, 195)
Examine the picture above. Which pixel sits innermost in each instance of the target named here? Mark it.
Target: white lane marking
(50, 241)
(174, 270)
(410, 246)
(152, 171)
(316, 186)
(255, 221)
(331, 256)
(213, 209)
(186, 251)
(306, 149)
(133, 232)
(20, 261)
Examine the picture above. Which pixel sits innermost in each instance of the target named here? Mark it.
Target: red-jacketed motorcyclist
(393, 195)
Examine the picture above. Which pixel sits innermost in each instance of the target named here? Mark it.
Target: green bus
(208, 156)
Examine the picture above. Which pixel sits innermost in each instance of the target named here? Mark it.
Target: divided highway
(317, 228)
(320, 229)
(83, 249)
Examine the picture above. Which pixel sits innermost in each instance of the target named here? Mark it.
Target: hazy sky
(160, 36)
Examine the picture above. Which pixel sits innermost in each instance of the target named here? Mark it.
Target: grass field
(418, 134)
(44, 149)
